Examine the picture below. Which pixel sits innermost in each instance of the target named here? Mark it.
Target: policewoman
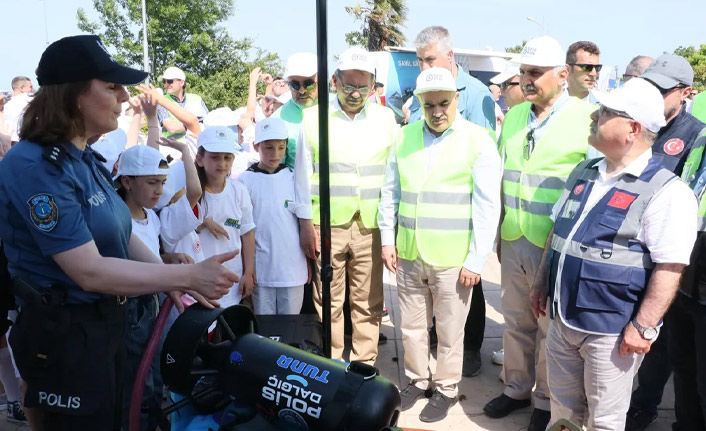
(70, 250)
(623, 232)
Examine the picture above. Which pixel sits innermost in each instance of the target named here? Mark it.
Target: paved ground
(476, 391)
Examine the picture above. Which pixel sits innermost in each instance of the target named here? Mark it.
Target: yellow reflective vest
(698, 110)
(435, 215)
(356, 162)
(531, 186)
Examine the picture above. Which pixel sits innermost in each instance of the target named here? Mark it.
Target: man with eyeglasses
(302, 81)
(637, 66)
(174, 81)
(583, 61)
(360, 136)
(622, 236)
(673, 76)
(509, 82)
(542, 140)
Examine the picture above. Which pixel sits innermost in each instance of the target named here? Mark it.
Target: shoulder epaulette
(55, 154)
(99, 156)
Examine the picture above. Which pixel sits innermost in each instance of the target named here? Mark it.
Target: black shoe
(638, 419)
(471, 363)
(410, 395)
(382, 339)
(437, 408)
(540, 420)
(503, 405)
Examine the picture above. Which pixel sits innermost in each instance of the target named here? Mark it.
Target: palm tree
(382, 24)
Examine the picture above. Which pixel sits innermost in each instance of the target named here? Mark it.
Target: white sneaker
(499, 357)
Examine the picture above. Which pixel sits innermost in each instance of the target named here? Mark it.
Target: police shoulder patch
(43, 211)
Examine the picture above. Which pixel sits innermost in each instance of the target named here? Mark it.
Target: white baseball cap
(110, 146)
(510, 70)
(176, 180)
(301, 64)
(356, 58)
(270, 128)
(639, 99)
(435, 79)
(542, 51)
(141, 160)
(282, 98)
(221, 117)
(173, 73)
(219, 139)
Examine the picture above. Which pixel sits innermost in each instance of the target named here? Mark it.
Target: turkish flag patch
(674, 146)
(621, 200)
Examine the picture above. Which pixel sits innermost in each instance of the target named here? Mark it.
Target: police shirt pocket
(603, 287)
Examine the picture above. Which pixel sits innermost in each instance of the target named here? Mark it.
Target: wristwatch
(647, 332)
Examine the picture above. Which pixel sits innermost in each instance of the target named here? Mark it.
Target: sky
(620, 29)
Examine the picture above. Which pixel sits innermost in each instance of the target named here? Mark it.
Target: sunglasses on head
(308, 85)
(588, 67)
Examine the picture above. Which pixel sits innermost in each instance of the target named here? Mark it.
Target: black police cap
(82, 58)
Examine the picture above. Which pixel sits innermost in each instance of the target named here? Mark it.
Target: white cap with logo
(542, 51)
(511, 69)
(141, 160)
(639, 99)
(270, 128)
(356, 58)
(301, 64)
(174, 73)
(435, 79)
(219, 139)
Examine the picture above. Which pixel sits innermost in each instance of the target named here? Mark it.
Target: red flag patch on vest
(674, 146)
(579, 189)
(621, 200)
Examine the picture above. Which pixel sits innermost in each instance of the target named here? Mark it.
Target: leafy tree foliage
(382, 24)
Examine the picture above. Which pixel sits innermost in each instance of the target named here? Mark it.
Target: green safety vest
(532, 187)
(698, 109)
(192, 103)
(354, 187)
(692, 165)
(291, 114)
(435, 215)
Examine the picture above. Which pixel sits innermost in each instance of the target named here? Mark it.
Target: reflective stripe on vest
(531, 187)
(353, 186)
(605, 269)
(435, 212)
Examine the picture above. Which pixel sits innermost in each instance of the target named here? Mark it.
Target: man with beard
(360, 136)
(542, 139)
(583, 62)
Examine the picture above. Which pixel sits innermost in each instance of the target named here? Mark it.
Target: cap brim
(222, 148)
(124, 75)
(663, 82)
(429, 90)
(500, 78)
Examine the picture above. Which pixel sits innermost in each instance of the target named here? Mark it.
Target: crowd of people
(593, 201)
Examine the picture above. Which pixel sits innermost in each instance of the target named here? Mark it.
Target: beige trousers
(525, 361)
(424, 291)
(356, 254)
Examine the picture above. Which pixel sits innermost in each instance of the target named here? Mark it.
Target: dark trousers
(654, 371)
(688, 357)
(475, 322)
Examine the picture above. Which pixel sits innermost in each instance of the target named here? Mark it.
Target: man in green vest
(442, 191)
(174, 81)
(542, 140)
(698, 108)
(302, 78)
(360, 136)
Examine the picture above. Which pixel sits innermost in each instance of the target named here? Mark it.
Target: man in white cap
(174, 81)
(360, 136)
(613, 260)
(542, 141)
(441, 170)
(302, 78)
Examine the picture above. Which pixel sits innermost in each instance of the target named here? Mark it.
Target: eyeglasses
(665, 91)
(280, 84)
(308, 85)
(606, 110)
(529, 145)
(349, 89)
(694, 93)
(505, 85)
(167, 81)
(588, 67)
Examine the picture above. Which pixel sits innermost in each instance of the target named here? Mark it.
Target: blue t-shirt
(49, 207)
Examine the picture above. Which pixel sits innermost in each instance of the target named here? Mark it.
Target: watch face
(650, 333)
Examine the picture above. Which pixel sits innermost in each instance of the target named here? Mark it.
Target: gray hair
(648, 135)
(434, 34)
(18, 82)
(638, 65)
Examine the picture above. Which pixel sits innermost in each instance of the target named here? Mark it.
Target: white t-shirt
(13, 111)
(231, 209)
(148, 231)
(179, 225)
(279, 258)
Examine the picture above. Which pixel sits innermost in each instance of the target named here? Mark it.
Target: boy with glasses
(582, 59)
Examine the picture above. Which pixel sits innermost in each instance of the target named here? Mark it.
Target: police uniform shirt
(279, 258)
(668, 228)
(53, 203)
(179, 222)
(232, 210)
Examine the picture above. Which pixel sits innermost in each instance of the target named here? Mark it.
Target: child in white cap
(280, 263)
(227, 210)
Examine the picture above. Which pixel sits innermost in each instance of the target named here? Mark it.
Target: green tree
(697, 58)
(186, 34)
(382, 24)
(517, 48)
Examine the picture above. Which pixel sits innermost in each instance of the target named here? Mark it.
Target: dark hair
(585, 45)
(52, 115)
(379, 85)
(203, 179)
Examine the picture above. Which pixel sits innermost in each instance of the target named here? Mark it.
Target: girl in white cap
(227, 209)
